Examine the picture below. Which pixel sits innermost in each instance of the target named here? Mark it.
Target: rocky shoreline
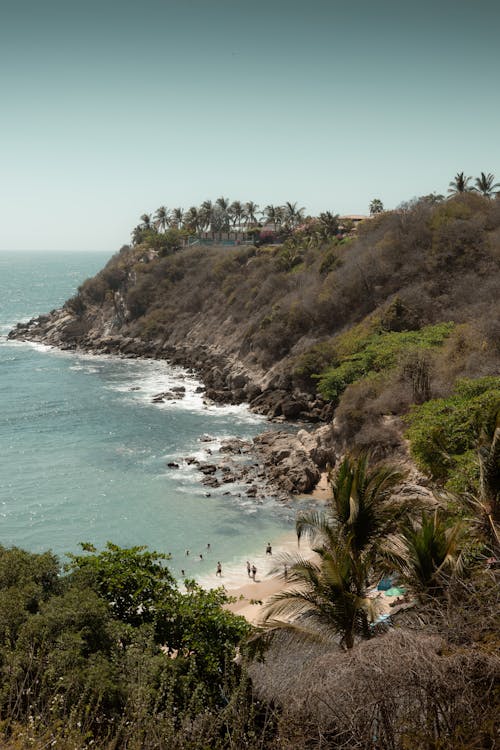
(286, 462)
(275, 462)
(227, 380)
(283, 463)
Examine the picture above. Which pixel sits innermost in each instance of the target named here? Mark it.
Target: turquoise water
(83, 451)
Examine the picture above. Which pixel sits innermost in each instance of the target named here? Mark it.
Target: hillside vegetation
(371, 324)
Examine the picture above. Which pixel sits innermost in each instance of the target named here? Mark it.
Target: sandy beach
(252, 596)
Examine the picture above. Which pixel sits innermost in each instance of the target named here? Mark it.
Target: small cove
(85, 452)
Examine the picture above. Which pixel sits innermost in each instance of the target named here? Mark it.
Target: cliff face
(264, 324)
(208, 346)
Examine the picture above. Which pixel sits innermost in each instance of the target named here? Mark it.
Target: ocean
(84, 451)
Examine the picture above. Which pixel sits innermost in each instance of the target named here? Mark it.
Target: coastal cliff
(359, 328)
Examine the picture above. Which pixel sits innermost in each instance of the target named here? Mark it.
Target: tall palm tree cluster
(365, 534)
(484, 185)
(223, 216)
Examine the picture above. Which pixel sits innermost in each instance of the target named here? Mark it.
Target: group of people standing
(251, 568)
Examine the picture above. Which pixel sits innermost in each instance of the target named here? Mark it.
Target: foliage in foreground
(112, 655)
(112, 638)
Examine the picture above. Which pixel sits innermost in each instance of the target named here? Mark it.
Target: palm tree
(236, 211)
(146, 221)
(293, 215)
(251, 209)
(486, 502)
(206, 214)
(177, 217)
(273, 214)
(161, 218)
(486, 185)
(376, 207)
(360, 510)
(192, 219)
(223, 209)
(329, 224)
(328, 597)
(459, 184)
(426, 549)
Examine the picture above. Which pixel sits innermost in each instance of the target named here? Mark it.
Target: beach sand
(251, 597)
(322, 491)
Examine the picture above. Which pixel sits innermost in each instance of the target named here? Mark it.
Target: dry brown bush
(402, 690)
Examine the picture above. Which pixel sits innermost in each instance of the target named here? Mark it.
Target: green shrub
(444, 432)
(314, 361)
(379, 352)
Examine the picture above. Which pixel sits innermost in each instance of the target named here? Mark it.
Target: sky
(112, 108)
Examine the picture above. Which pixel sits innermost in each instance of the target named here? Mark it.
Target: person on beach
(187, 553)
(208, 547)
(249, 569)
(269, 549)
(219, 570)
(201, 556)
(183, 573)
(254, 572)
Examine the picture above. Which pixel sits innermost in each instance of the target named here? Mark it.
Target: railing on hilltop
(229, 239)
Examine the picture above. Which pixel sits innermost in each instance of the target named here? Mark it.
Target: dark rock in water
(269, 402)
(208, 468)
(172, 465)
(252, 391)
(191, 460)
(135, 388)
(168, 396)
(234, 446)
(210, 481)
(252, 491)
(238, 395)
(220, 396)
(178, 390)
(206, 439)
(199, 389)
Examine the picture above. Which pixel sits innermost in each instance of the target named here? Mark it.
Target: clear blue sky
(110, 108)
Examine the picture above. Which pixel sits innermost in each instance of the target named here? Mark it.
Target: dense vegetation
(444, 433)
(110, 647)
